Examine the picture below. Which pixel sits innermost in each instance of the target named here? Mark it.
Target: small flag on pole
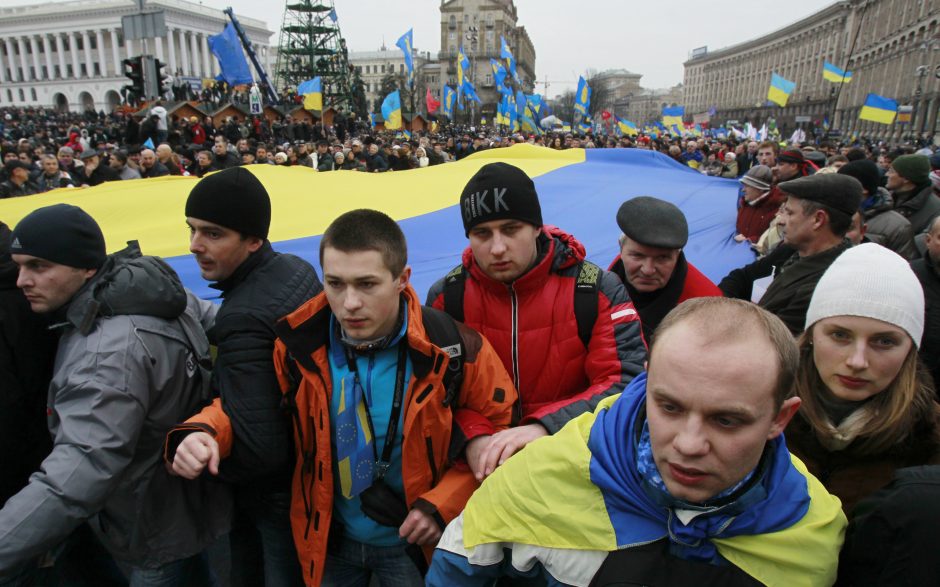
(780, 90)
(879, 109)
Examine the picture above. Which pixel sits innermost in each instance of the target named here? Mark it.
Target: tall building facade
(891, 46)
(67, 55)
(375, 66)
(476, 25)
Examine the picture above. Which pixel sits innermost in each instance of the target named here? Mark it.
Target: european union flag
(391, 110)
(228, 50)
(405, 43)
(506, 53)
(879, 109)
(780, 89)
(582, 98)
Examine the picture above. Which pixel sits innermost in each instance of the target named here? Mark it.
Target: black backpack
(585, 296)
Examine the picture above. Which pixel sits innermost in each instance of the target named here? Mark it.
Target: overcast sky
(652, 38)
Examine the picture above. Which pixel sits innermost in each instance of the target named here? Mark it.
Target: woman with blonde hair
(868, 406)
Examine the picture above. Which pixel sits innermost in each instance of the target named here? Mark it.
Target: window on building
(453, 21)
(9, 95)
(20, 73)
(452, 36)
(383, 68)
(22, 95)
(490, 36)
(45, 72)
(65, 43)
(489, 47)
(83, 69)
(79, 44)
(93, 41)
(466, 19)
(32, 93)
(68, 71)
(32, 72)
(58, 72)
(97, 68)
(489, 79)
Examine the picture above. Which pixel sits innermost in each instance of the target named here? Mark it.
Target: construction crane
(250, 51)
(311, 46)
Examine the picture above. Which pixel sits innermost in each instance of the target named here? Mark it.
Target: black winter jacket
(926, 272)
(266, 287)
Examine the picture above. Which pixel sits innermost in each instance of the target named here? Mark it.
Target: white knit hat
(872, 281)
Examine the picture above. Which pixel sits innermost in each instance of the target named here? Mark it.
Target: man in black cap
(229, 214)
(93, 172)
(651, 263)
(564, 328)
(817, 213)
(18, 183)
(129, 365)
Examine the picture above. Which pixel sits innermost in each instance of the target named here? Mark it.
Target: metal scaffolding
(311, 45)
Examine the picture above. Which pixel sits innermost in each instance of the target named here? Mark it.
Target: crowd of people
(538, 418)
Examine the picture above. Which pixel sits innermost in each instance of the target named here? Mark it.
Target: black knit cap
(839, 192)
(865, 171)
(653, 222)
(233, 198)
(60, 233)
(499, 191)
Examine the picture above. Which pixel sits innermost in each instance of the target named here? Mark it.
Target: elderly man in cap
(94, 173)
(909, 184)
(17, 183)
(564, 328)
(229, 214)
(758, 204)
(129, 365)
(651, 263)
(817, 213)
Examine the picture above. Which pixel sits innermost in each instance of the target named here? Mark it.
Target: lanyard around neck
(381, 466)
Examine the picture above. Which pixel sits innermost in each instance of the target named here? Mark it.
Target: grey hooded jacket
(131, 362)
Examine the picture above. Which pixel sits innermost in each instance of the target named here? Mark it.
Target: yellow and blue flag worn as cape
(579, 490)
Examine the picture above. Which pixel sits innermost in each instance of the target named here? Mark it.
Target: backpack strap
(442, 331)
(455, 283)
(585, 299)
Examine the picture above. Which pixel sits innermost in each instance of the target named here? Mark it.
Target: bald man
(150, 166)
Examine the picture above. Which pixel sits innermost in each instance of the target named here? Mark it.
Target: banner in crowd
(580, 191)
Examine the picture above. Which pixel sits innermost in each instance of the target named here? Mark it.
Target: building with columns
(891, 46)
(374, 66)
(67, 55)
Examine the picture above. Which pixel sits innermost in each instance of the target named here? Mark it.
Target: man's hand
(193, 454)
(420, 528)
(474, 452)
(504, 444)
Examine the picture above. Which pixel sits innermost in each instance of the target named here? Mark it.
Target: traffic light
(134, 71)
(163, 78)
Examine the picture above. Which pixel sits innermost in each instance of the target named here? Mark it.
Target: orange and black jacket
(432, 434)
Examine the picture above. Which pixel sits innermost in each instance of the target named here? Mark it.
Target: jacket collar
(244, 270)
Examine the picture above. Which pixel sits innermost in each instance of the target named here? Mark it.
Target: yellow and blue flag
(406, 44)
(582, 98)
(673, 116)
(626, 127)
(391, 111)
(780, 89)
(448, 97)
(879, 109)
(834, 74)
(506, 53)
(469, 91)
(372, 119)
(312, 91)
(463, 66)
(499, 77)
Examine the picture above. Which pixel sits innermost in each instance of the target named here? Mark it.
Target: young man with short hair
(379, 422)
(684, 479)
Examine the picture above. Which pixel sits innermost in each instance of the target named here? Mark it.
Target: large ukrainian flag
(879, 109)
(579, 190)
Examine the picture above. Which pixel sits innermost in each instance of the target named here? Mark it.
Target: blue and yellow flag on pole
(582, 98)
(469, 91)
(405, 43)
(879, 109)
(673, 116)
(312, 91)
(448, 97)
(780, 89)
(391, 111)
(372, 119)
(463, 66)
(506, 53)
(499, 77)
(627, 127)
(834, 74)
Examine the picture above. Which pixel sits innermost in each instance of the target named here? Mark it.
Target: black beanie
(60, 233)
(499, 191)
(233, 198)
(865, 171)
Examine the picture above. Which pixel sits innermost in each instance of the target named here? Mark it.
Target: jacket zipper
(515, 339)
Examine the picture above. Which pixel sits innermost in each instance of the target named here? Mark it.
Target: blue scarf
(642, 511)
